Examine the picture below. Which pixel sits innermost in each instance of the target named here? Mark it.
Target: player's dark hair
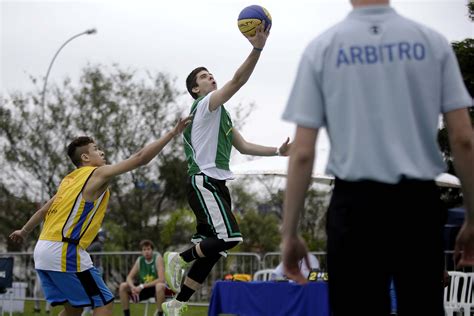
(147, 243)
(191, 81)
(76, 148)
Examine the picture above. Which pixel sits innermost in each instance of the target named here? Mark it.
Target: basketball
(251, 17)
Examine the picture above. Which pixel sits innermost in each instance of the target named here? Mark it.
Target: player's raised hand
(260, 38)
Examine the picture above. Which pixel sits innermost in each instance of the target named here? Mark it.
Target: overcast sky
(177, 36)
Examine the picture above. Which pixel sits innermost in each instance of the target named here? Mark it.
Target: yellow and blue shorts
(79, 289)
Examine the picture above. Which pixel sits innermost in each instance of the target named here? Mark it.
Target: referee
(378, 83)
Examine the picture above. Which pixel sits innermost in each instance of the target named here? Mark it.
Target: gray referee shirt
(378, 82)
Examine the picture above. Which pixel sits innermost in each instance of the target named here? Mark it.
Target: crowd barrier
(116, 265)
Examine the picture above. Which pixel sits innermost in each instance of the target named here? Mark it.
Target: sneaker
(175, 267)
(174, 308)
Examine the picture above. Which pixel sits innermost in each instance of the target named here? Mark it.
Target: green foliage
(177, 229)
(470, 7)
(464, 51)
(242, 198)
(260, 231)
(14, 209)
(313, 219)
(465, 54)
(260, 216)
(122, 113)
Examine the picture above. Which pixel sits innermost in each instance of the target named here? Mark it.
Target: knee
(110, 306)
(160, 287)
(105, 310)
(123, 287)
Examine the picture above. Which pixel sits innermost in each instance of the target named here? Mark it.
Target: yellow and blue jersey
(70, 225)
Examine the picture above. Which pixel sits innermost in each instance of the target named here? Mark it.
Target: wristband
(277, 152)
(258, 49)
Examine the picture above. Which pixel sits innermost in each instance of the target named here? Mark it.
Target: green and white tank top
(208, 140)
(147, 269)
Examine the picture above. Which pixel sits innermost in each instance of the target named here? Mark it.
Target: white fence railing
(116, 265)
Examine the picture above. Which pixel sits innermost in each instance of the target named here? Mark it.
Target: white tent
(278, 166)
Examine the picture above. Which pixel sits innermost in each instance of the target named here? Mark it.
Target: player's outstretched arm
(247, 148)
(242, 74)
(103, 174)
(21, 234)
(461, 141)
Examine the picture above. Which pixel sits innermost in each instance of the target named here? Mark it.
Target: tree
(313, 217)
(464, 51)
(260, 215)
(470, 7)
(14, 209)
(122, 113)
(260, 231)
(178, 229)
(243, 199)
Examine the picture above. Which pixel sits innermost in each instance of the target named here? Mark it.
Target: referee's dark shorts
(376, 230)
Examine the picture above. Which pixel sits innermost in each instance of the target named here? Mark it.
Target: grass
(135, 310)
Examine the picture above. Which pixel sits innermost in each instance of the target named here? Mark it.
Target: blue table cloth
(269, 298)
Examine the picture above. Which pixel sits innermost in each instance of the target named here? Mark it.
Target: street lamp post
(43, 94)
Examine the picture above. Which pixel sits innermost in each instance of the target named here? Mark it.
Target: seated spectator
(279, 273)
(150, 271)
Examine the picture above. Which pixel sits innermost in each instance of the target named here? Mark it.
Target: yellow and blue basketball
(251, 17)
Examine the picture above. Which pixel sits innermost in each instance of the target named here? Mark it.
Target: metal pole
(43, 94)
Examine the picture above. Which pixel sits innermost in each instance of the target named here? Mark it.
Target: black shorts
(145, 294)
(148, 292)
(210, 201)
(378, 231)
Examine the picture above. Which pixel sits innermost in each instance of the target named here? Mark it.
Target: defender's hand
(181, 125)
(284, 149)
(18, 236)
